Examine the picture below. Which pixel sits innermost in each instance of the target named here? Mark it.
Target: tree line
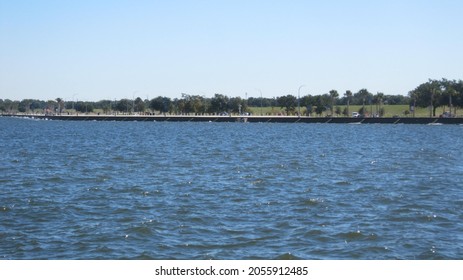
(438, 93)
(431, 94)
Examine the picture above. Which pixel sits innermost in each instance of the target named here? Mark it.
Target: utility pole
(260, 102)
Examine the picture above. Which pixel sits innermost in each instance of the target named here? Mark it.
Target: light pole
(299, 100)
(127, 103)
(260, 102)
(73, 100)
(443, 89)
(133, 101)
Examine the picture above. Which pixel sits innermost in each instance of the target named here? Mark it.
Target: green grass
(390, 110)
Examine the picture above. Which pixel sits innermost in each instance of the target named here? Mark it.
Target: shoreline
(250, 119)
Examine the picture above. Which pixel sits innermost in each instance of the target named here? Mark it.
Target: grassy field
(390, 110)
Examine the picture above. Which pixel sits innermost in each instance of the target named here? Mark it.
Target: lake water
(137, 190)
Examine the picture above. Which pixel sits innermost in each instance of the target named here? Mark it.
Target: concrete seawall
(251, 119)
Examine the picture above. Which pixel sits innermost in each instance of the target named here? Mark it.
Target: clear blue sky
(93, 50)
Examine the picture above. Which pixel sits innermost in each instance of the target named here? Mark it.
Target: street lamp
(444, 88)
(299, 100)
(73, 100)
(133, 101)
(260, 101)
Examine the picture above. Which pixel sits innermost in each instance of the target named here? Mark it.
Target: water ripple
(110, 190)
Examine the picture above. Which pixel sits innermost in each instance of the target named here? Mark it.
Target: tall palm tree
(333, 95)
(379, 100)
(348, 95)
(60, 103)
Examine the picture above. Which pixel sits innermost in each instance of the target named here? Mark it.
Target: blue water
(133, 190)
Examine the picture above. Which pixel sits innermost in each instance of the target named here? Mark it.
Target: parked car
(446, 115)
(355, 115)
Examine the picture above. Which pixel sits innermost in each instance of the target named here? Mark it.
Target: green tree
(219, 104)
(378, 99)
(257, 102)
(197, 104)
(60, 104)
(319, 110)
(345, 112)
(84, 107)
(237, 105)
(396, 99)
(458, 100)
(288, 102)
(123, 105)
(309, 102)
(363, 111)
(348, 96)
(451, 94)
(360, 98)
(25, 105)
(168, 105)
(185, 105)
(333, 96)
(105, 105)
(428, 95)
(139, 105)
(321, 103)
(51, 107)
(10, 106)
(161, 104)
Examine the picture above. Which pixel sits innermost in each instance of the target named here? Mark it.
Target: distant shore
(236, 118)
